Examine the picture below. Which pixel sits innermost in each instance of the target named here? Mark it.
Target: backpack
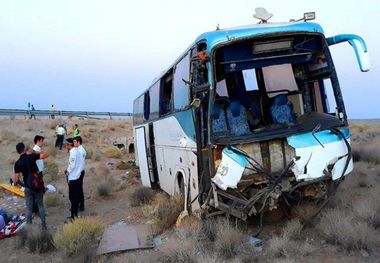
(35, 182)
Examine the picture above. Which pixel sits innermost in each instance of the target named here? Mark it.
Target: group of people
(29, 169)
(61, 131)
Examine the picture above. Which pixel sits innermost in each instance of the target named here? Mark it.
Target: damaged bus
(248, 119)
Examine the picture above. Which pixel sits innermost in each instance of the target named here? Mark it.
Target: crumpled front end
(255, 177)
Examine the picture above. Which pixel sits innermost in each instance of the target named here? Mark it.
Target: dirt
(97, 136)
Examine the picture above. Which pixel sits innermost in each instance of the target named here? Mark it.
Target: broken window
(181, 89)
(166, 103)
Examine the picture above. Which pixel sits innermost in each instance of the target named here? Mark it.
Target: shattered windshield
(269, 90)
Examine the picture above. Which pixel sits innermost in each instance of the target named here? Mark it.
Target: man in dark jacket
(25, 167)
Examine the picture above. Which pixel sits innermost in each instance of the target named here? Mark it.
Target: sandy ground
(99, 135)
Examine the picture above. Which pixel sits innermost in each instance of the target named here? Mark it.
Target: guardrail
(83, 114)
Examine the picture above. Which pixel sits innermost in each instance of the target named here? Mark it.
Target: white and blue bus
(247, 119)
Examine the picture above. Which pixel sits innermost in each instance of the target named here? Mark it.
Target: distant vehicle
(248, 118)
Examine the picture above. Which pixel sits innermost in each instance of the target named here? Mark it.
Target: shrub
(190, 227)
(368, 211)
(164, 211)
(293, 229)
(209, 229)
(102, 170)
(90, 152)
(91, 122)
(112, 152)
(183, 252)
(142, 196)
(339, 228)
(7, 135)
(121, 165)
(228, 240)
(51, 169)
(81, 232)
(104, 188)
(52, 200)
(283, 246)
(36, 240)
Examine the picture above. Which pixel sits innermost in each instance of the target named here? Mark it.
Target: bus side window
(166, 93)
(146, 105)
(154, 96)
(181, 94)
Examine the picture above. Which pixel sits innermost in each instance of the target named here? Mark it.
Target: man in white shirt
(82, 162)
(39, 143)
(73, 172)
(60, 131)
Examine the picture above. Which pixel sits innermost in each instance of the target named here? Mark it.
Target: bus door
(152, 155)
(142, 156)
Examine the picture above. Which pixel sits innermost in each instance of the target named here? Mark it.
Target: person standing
(60, 135)
(39, 143)
(76, 132)
(82, 162)
(32, 115)
(73, 172)
(26, 167)
(53, 110)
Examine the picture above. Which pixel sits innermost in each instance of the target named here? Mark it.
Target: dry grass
(102, 170)
(52, 200)
(190, 227)
(290, 242)
(293, 229)
(113, 152)
(228, 240)
(163, 211)
(91, 122)
(52, 150)
(104, 188)
(53, 124)
(7, 135)
(368, 211)
(51, 171)
(340, 228)
(209, 229)
(141, 196)
(368, 148)
(81, 232)
(36, 240)
(90, 152)
(304, 211)
(121, 165)
(183, 252)
(283, 246)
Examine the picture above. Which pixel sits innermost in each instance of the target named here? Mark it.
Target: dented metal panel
(318, 152)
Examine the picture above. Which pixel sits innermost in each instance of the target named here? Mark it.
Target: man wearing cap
(73, 172)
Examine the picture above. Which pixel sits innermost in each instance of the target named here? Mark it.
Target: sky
(96, 55)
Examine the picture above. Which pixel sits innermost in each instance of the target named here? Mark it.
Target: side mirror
(361, 51)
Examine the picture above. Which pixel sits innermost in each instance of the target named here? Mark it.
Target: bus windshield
(274, 88)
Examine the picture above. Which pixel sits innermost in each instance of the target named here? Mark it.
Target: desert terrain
(347, 229)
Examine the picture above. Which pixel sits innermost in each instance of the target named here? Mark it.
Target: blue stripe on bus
(308, 140)
(185, 120)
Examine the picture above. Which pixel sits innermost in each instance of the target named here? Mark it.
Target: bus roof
(213, 38)
(220, 36)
